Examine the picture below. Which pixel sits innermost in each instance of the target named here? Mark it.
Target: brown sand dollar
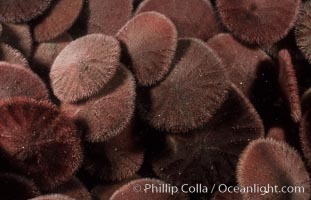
(84, 67)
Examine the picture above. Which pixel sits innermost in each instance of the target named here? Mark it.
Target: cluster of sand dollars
(100, 96)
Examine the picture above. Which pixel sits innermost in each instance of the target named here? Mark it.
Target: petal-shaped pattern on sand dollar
(39, 141)
(84, 67)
